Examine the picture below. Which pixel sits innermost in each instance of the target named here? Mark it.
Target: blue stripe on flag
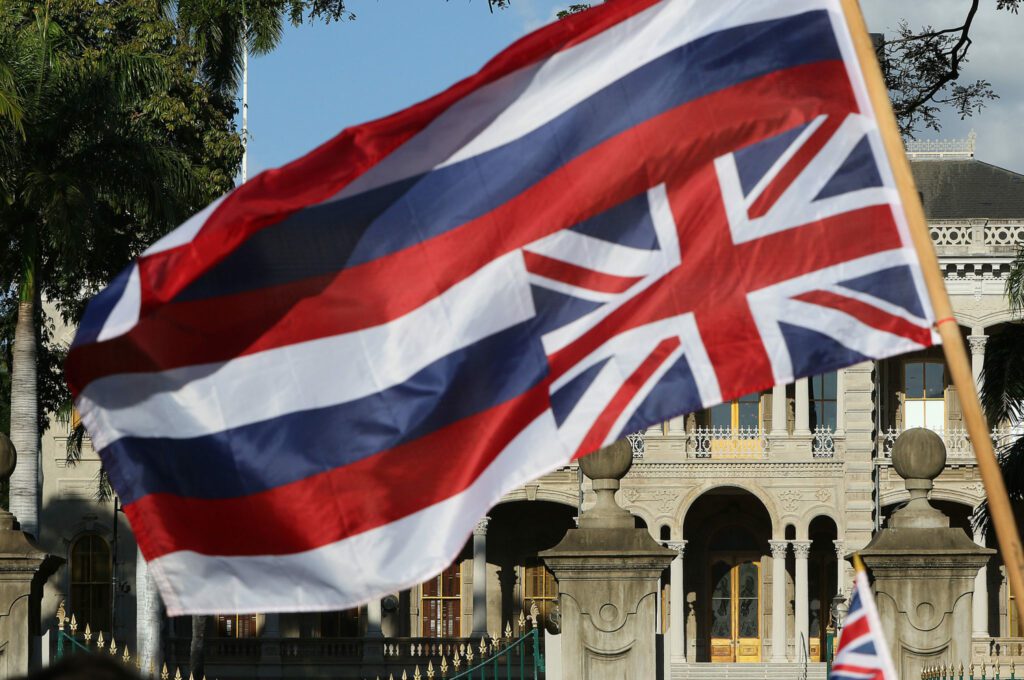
(858, 171)
(812, 352)
(99, 308)
(360, 229)
(676, 392)
(754, 161)
(259, 456)
(555, 309)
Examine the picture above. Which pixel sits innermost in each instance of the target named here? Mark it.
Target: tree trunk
(24, 493)
(197, 651)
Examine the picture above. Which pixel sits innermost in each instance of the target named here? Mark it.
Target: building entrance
(735, 616)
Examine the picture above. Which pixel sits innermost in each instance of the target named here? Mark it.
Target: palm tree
(75, 170)
(1002, 394)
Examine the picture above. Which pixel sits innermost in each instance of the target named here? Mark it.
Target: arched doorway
(727, 531)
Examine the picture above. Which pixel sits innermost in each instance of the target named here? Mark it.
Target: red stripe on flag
(870, 315)
(199, 332)
(340, 503)
(868, 673)
(853, 630)
(577, 276)
(629, 389)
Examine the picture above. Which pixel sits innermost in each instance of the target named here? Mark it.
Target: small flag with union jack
(863, 653)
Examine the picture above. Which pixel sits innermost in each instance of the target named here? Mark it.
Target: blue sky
(323, 78)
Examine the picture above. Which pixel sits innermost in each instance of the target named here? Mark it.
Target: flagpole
(952, 341)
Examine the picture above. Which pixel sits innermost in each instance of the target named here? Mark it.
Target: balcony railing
(957, 441)
(981, 234)
(724, 442)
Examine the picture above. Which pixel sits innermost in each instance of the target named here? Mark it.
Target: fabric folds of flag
(862, 653)
(307, 394)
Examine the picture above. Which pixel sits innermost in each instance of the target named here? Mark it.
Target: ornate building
(761, 498)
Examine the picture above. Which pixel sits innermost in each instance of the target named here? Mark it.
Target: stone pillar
(677, 604)
(924, 571)
(801, 606)
(802, 427)
(977, 343)
(270, 647)
(607, 573)
(779, 427)
(980, 612)
(21, 562)
(147, 616)
(778, 600)
(480, 577)
(373, 619)
(840, 580)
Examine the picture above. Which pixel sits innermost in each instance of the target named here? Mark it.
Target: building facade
(762, 498)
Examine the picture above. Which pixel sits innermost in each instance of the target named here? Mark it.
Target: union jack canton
(308, 393)
(862, 653)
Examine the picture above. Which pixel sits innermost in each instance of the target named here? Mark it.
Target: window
(741, 414)
(541, 588)
(237, 626)
(924, 384)
(441, 604)
(823, 401)
(91, 588)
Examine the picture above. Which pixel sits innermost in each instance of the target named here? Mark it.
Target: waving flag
(308, 393)
(863, 653)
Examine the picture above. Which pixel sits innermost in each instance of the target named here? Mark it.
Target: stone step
(749, 671)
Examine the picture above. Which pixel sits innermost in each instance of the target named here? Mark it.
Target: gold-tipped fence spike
(391, 676)
(416, 675)
(100, 644)
(405, 676)
(74, 625)
(177, 673)
(88, 634)
(522, 622)
(126, 657)
(444, 666)
(469, 654)
(456, 662)
(113, 647)
(163, 672)
(508, 629)
(483, 645)
(430, 669)
(190, 676)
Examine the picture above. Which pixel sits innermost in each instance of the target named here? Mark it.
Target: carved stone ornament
(779, 549)
(678, 546)
(823, 495)
(790, 499)
(481, 527)
(802, 549)
(977, 343)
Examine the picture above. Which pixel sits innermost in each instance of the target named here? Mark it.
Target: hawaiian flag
(862, 653)
(308, 393)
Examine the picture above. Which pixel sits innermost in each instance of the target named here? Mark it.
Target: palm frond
(1002, 394)
(1011, 462)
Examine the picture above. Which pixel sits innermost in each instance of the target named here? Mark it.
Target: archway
(727, 531)
(822, 582)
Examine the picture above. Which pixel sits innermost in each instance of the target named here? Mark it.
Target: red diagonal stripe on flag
(575, 275)
(870, 315)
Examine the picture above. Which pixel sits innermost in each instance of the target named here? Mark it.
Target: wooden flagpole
(952, 341)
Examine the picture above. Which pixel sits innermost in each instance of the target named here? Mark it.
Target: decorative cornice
(701, 469)
(840, 548)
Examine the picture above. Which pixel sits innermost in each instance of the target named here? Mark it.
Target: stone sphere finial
(919, 454)
(8, 457)
(611, 462)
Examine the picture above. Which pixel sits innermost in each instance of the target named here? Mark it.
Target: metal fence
(981, 671)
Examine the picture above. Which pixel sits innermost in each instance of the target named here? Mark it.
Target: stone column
(802, 426)
(147, 616)
(802, 550)
(480, 577)
(840, 566)
(607, 573)
(373, 619)
(977, 356)
(778, 600)
(924, 570)
(270, 647)
(21, 563)
(779, 428)
(677, 605)
(979, 615)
